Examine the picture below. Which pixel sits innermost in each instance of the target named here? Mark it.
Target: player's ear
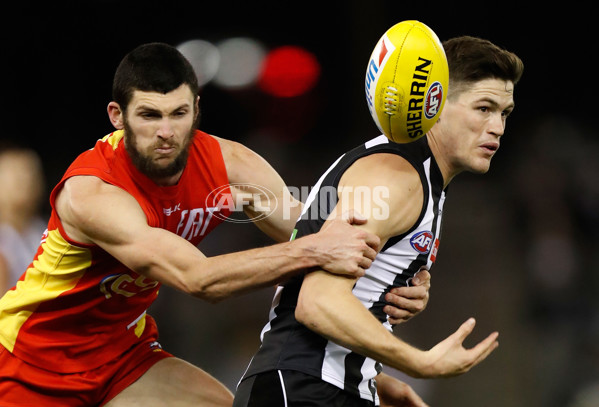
(116, 115)
(196, 109)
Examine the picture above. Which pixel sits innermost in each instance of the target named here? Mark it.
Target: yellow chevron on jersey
(56, 270)
(114, 138)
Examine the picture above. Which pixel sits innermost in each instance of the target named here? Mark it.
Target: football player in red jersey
(126, 218)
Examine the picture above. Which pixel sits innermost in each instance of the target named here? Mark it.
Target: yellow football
(406, 81)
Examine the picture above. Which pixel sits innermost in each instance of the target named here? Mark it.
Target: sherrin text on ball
(406, 81)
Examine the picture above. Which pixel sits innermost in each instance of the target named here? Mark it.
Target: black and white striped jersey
(286, 344)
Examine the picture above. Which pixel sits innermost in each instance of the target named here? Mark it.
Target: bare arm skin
(246, 168)
(327, 306)
(95, 212)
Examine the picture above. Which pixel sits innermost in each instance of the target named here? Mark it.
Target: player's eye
(150, 115)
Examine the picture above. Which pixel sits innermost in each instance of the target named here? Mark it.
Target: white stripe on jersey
(382, 139)
(314, 192)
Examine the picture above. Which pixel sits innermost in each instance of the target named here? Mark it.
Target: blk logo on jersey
(422, 241)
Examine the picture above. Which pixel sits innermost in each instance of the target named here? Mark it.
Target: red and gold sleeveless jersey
(76, 307)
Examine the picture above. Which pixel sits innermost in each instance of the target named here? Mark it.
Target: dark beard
(145, 164)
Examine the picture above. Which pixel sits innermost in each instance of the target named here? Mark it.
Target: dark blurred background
(519, 247)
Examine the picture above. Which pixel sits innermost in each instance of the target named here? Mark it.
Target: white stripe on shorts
(283, 387)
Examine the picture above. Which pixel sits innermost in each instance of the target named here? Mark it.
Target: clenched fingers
(405, 303)
(414, 293)
(372, 240)
(412, 302)
(354, 217)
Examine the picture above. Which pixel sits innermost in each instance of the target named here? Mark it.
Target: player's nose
(165, 129)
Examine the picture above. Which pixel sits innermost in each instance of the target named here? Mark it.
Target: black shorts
(289, 388)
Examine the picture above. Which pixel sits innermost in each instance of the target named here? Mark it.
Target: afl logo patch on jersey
(422, 241)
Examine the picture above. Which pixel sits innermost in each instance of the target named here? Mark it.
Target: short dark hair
(473, 59)
(153, 67)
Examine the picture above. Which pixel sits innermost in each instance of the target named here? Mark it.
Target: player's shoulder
(383, 168)
(240, 160)
(84, 184)
(79, 191)
(84, 201)
(388, 188)
(395, 182)
(231, 149)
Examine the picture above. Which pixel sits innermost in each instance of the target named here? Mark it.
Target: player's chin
(480, 166)
(482, 169)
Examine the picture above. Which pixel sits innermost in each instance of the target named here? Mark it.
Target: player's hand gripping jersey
(76, 307)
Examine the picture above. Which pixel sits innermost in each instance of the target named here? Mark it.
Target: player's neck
(448, 171)
(167, 181)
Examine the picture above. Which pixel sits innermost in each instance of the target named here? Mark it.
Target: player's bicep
(375, 225)
(386, 190)
(94, 212)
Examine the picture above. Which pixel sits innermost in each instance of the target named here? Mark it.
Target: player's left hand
(407, 302)
(395, 393)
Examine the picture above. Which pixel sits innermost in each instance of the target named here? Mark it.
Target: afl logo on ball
(422, 241)
(432, 103)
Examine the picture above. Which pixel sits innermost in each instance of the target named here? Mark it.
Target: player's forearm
(232, 274)
(330, 310)
(158, 254)
(165, 257)
(338, 248)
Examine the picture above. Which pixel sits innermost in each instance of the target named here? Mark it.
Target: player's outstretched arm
(93, 212)
(327, 306)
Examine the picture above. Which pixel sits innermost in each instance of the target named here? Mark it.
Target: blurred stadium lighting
(240, 62)
(289, 71)
(203, 56)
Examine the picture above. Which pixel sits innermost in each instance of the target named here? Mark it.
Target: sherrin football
(406, 81)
